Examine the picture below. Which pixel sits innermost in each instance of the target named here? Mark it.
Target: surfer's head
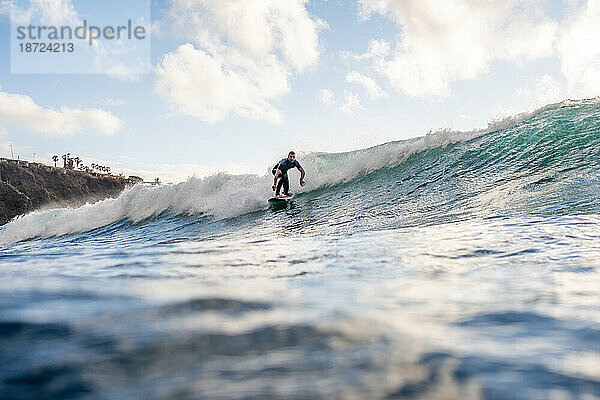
(291, 156)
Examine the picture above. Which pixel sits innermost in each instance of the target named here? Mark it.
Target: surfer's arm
(275, 178)
(302, 173)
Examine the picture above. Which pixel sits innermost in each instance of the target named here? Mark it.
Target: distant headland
(28, 186)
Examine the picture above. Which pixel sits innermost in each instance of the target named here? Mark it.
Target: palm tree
(55, 159)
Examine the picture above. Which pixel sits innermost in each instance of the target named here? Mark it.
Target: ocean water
(459, 265)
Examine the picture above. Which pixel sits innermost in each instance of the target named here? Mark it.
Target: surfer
(280, 171)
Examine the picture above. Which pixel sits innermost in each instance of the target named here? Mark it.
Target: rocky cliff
(25, 187)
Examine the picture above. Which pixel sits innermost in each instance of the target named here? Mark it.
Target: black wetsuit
(284, 165)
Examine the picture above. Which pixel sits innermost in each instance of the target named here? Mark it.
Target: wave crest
(224, 196)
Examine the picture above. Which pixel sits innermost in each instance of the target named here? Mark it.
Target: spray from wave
(225, 196)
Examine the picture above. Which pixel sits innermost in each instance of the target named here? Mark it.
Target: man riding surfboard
(280, 171)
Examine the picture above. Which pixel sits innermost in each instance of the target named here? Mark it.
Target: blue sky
(290, 74)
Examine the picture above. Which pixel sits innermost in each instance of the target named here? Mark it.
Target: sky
(233, 85)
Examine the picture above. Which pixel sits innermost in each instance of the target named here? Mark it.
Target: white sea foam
(223, 195)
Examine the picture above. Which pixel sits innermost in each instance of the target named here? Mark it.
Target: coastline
(26, 187)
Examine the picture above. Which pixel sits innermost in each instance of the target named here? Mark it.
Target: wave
(334, 168)
(225, 196)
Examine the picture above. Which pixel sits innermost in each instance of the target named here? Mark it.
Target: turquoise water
(457, 265)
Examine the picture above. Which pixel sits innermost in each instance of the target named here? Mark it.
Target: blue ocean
(457, 265)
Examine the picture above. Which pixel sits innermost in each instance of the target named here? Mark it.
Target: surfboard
(280, 199)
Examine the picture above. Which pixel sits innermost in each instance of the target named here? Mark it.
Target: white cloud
(241, 56)
(113, 58)
(579, 51)
(22, 112)
(573, 5)
(373, 90)
(201, 86)
(167, 172)
(444, 41)
(547, 91)
(378, 49)
(113, 102)
(326, 97)
(351, 102)
(181, 172)
(50, 12)
(5, 6)
(4, 146)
